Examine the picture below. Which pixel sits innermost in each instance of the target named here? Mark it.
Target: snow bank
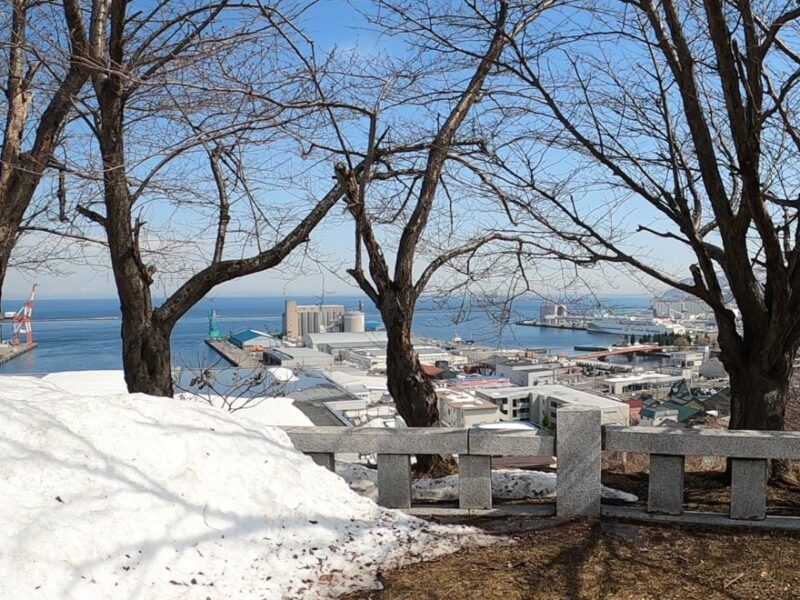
(89, 383)
(267, 411)
(507, 484)
(130, 496)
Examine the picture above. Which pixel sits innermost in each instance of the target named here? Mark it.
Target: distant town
(663, 372)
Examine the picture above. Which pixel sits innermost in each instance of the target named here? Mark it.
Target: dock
(8, 353)
(233, 354)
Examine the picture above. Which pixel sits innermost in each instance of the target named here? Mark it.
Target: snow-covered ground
(507, 484)
(267, 411)
(116, 496)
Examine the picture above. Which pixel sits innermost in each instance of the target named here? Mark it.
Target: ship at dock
(636, 327)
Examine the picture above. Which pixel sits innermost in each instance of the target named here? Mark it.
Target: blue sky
(330, 23)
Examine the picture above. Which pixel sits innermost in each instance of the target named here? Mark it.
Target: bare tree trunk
(410, 387)
(766, 382)
(146, 352)
(412, 390)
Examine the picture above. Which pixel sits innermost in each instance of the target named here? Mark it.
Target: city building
(459, 409)
(297, 357)
(336, 343)
(540, 403)
(370, 388)
(652, 416)
(635, 382)
(674, 303)
(514, 402)
(302, 319)
(251, 339)
(552, 397)
(527, 372)
(713, 369)
(634, 409)
(551, 310)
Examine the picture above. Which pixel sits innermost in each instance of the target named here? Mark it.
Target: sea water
(85, 334)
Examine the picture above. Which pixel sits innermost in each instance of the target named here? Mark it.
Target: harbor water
(78, 335)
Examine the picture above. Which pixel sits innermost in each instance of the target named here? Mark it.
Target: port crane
(22, 321)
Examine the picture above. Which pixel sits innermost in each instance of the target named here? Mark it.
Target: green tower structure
(213, 329)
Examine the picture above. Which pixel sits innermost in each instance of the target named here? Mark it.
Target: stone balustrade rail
(577, 443)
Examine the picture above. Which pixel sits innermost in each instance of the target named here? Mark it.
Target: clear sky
(330, 23)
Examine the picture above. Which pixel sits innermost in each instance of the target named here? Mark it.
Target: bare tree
(231, 388)
(176, 84)
(428, 213)
(47, 58)
(677, 121)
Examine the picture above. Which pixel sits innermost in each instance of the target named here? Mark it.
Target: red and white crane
(23, 325)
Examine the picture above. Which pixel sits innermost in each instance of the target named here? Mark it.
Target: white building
(460, 409)
(676, 302)
(297, 358)
(552, 397)
(336, 342)
(551, 310)
(540, 403)
(527, 373)
(514, 402)
(648, 380)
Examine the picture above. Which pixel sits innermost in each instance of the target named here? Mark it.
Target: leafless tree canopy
(671, 126)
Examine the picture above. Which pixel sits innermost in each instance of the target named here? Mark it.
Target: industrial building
(335, 343)
(302, 319)
(297, 358)
(252, 339)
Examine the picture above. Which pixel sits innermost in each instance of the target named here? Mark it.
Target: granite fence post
(578, 449)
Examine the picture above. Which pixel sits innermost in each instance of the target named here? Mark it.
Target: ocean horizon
(84, 334)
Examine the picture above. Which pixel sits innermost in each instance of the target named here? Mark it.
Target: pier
(8, 353)
(233, 354)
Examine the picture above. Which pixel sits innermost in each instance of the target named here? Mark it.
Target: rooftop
(646, 376)
(249, 334)
(464, 401)
(584, 397)
(298, 352)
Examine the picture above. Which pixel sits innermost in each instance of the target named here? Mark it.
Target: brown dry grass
(583, 560)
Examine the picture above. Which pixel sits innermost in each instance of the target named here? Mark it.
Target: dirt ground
(707, 492)
(582, 560)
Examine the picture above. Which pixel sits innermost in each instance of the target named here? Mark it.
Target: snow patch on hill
(507, 484)
(132, 496)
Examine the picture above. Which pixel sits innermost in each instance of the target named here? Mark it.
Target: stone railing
(578, 443)
(668, 448)
(577, 446)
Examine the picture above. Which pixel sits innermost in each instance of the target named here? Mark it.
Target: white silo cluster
(354, 321)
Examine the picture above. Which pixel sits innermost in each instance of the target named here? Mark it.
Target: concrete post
(394, 480)
(665, 491)
(748, 489)
(474, 481)
(578, 448)
(324, 459)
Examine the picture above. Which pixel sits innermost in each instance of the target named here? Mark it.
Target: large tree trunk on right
(760, 381)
